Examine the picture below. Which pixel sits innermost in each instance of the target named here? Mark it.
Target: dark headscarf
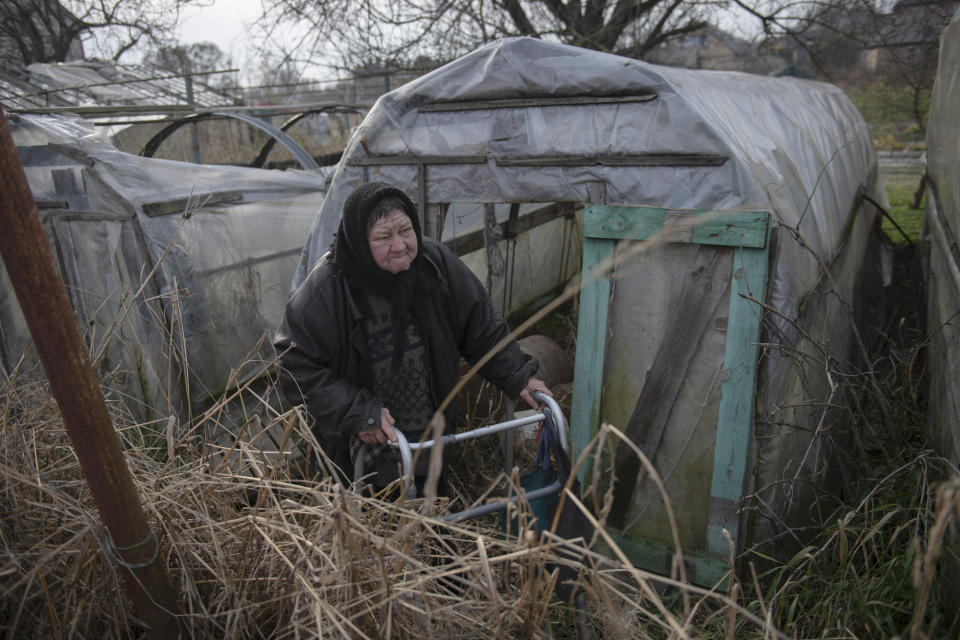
(354, 261)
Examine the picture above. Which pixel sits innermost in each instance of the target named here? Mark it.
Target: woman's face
(393, 241)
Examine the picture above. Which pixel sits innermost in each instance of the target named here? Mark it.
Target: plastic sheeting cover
(795, 147)
(221, 273)
(87, 83)
(798, 149)
(940, 228)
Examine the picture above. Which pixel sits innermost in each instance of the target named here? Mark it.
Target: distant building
(856, 43)
(713, 48)
(909, 34)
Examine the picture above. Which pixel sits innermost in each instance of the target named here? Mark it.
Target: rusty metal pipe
(53, 326)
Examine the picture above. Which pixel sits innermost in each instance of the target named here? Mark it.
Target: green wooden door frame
(747, 233)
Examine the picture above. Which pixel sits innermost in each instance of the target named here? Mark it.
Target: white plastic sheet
(181, 301)
(940, 228)
(795, 147)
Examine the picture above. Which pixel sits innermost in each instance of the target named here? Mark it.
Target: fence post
(53, 326)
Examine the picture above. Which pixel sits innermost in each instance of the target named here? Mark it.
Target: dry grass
(256, 551)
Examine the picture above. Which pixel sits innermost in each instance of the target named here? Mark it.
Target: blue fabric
(547, 440)
(540, 476)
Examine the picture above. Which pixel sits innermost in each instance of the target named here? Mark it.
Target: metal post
(426, 225)
(53, 326)
(194, 134)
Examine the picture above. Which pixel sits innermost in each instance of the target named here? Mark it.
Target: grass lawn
(889, 112)
(901, 187)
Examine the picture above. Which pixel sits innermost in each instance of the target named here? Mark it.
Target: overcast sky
(222, 23)
(226, 24)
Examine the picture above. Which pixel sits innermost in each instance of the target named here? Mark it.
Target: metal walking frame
(549, 409)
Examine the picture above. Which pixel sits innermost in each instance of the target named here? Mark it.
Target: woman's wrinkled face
(393, 242)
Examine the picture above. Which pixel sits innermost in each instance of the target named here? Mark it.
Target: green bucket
(542, 508)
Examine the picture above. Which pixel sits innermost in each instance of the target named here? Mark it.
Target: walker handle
(547, 403)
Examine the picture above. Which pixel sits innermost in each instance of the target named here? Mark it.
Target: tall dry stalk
(256, 550)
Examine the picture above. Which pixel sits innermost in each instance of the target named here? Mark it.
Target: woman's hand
(534, 384)
(381, 434)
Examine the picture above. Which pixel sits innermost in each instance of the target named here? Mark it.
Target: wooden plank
(426, 227)
(703, 569)
(737, 229)
(195, 202)
(591, 345)
(735, 414)
(695, 308)
(747, 231)
(473, 241)
(621, 223)
(639, 160)
(377, 161)
(721, 228)
(522, 103)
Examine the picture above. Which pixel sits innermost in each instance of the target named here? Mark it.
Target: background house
(909, 35)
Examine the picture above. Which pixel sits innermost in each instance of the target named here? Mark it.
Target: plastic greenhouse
(941, 225)
(715, 346)
(177, 272)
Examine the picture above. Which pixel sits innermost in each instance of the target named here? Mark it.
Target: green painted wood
(703, 569)
(721, 228)
(700, 297)
(618, 223)
(737, 229)
(591, 345)
(711, 571)
(735, 413)
(747, 232)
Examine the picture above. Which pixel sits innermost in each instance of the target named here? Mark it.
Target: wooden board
(721, 228)
(746, 233)
(695, 309)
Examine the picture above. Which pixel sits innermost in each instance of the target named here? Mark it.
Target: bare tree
(906, 53)
(189, 58)
(834, 35)
(357, 33)
(199, 57)
(859, 43)
(51, 30)
(823, 34)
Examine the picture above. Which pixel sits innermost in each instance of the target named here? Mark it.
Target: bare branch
(53, 31)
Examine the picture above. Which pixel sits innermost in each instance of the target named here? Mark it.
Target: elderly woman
(371, 341)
